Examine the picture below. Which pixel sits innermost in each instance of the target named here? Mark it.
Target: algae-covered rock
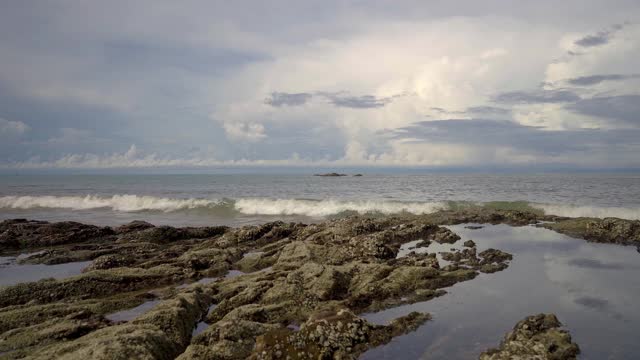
(162, 333)
(607, 230)
(93, 284)
(21, 233)
(535, 337)
(338, 335)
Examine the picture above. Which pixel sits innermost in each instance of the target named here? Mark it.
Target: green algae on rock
(535, 337)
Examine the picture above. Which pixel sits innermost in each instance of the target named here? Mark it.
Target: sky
(397, 83)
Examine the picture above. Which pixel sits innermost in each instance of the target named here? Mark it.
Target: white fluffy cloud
(12, 129)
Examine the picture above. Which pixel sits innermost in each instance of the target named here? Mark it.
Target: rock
(99, 283)
(332, 174)
(357, 175)
(21, 233)
(332, 335)
(473, 227)
(108, 262)
(535, 337)
(133, 226)
(469, 243)
(445, 236)
(494, 256)
(168, 234)
(161, 333)
(607, 230)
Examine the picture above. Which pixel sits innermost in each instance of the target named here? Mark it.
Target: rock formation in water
(535, 337)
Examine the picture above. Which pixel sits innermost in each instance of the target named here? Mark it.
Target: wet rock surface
(321, 276)
(535, 337)
(607, 230)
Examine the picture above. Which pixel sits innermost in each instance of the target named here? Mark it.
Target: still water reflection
(593, 288)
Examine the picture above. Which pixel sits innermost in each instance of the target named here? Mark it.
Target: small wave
(318, 208)
(589, 211)
(123, 203)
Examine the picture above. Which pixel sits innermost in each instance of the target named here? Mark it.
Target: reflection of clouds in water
(598, 304)
(595, 264)
(594, 276)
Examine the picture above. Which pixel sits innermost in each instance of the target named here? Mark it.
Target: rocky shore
(277, 290)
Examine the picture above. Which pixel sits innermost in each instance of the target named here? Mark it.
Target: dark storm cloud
(597, 79)
(337, 99)
(279, 99)
(356, 102)
(495, 133)
(625, 108)
(536, 97)
(599, 38)
(488, 110)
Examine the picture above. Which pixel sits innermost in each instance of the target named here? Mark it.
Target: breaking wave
(252, 206)
(124, 203)
(589, 211)
(332, 207)
(292, 207)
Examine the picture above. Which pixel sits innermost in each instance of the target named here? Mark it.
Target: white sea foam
(124, 203)
(589, 211)
(331, 207)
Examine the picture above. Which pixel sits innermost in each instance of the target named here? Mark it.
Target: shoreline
(287, 276)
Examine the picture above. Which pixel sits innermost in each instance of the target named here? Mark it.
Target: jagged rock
(469, 243)
(109, 261)
(337, 335)
(97, 283)
(168, 234)
(162, 333)
(136, 225)
(21, 233)
(535, 337)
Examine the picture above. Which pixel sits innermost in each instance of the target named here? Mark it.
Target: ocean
(239, 199)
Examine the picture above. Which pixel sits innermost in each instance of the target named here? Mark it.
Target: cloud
(487, 110)
(279, 99)
(12, 128)
(624, 108)
(594, 264)
(597, 79)
(338, 99)
(245, 131)
(536, 141)
(536, 97)
(357, 102)
(599, 38)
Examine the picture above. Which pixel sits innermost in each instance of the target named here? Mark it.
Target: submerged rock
(535, 337)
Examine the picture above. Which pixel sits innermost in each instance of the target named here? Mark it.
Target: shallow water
(12, 273)
(202, 325)
(130, 314)
(592, 288)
